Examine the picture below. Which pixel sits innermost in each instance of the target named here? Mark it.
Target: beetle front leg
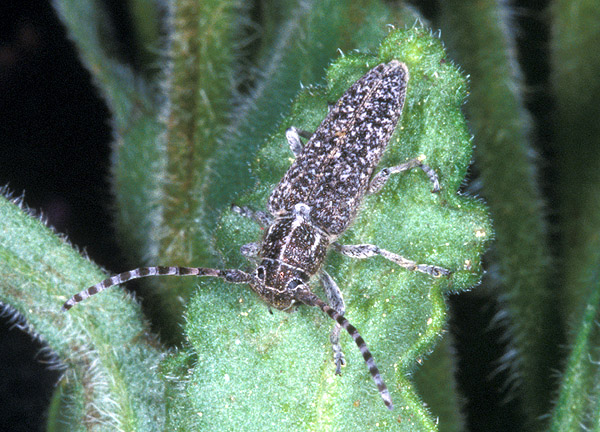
(250, 250)
(336, 301)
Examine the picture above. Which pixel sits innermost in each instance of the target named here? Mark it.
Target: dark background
(55, 148)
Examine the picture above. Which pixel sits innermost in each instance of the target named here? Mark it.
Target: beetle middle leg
(381, 178)
(262, 218)
(362, 251)
(293, 138)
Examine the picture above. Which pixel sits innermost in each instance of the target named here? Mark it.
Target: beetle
(314, 203)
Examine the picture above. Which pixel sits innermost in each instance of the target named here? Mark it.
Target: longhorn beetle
(314, 204)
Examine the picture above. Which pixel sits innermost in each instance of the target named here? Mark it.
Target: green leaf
(111, 381)
(575, 82)
(575, 62)
(271, 371)
(480, 37)
(577, 404)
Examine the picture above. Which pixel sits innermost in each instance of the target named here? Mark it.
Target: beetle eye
(293, 284)
(260, 273)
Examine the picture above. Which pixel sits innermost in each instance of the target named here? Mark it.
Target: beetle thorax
(293, 250)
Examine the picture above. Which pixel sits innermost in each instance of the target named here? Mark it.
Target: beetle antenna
(231, 275)
(311, 299)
